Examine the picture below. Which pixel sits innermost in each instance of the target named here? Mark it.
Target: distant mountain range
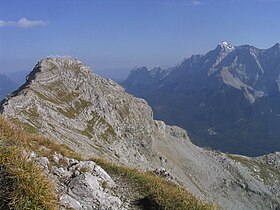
(17, 77)
(227, 99)
(6, 86)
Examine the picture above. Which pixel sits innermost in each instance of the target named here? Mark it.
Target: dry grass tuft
(11, 135)
(22, 184)
(164, 194)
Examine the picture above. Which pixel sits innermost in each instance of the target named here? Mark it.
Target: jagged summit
(275, 48)
(52, 69)
(226, 46)
(61, 63)
(277, 45)
(141, 68)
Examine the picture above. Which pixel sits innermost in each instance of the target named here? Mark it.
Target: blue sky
(113, 36)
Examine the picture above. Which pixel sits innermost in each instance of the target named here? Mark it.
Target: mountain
(17, 77)
(6, 86)
(227, 99)
(63, 100)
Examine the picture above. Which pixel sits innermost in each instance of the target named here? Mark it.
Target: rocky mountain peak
(57, 65)
(275, 49)
(61, 64)
(53, 69)
(277, 45)
(140, 69)
(225, 46)
(63, 99)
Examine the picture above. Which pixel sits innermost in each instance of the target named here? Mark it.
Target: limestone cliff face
(64, 100)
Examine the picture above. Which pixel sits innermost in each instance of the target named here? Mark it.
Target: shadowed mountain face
(6, 86)
(227, 99)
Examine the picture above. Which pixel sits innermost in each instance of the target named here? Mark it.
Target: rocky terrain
(81, 184)
(62, 99)
(65, 181)
(227, 99)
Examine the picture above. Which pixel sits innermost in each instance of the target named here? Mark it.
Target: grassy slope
(160, 193)
(23, 185)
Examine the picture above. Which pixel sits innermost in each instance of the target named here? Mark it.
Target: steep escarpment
(64, 100)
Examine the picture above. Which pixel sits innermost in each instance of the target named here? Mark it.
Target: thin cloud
(182, 3)
(196, 3)
(173, 4)
(23, 23)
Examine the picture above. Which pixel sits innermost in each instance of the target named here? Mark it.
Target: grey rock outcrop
(64, 100)
(81, 185)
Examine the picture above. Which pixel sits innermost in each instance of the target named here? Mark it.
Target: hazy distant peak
(224, 43)
(276, 46)
(156, 68)
(141, 68)
(6, 86)
(193, 58)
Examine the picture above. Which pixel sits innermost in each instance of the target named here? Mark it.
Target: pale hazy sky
(117, 35)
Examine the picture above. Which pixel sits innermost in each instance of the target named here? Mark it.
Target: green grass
(40, 95)
(97, 119)
(25, 126)
(68, 112)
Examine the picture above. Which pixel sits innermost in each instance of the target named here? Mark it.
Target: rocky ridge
(64, 100)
